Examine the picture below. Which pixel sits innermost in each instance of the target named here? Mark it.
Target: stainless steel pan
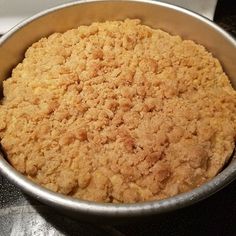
(155, 14)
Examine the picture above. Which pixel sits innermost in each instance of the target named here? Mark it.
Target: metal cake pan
(168, 17)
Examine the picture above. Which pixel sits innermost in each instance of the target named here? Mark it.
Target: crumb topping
(118, 112)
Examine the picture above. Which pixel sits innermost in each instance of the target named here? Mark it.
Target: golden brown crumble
(118, 112)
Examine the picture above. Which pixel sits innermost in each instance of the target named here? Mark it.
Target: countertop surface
(20, 215)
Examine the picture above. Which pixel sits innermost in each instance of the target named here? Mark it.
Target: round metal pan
(170, 18)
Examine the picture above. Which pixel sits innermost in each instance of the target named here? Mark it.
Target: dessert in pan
(118, 112)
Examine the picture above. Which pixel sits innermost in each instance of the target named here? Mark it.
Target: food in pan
(118, 112)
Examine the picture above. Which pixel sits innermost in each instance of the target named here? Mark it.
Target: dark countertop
(225, 15)
(22, 216)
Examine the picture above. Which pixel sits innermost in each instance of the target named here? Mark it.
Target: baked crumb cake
(118, 112)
